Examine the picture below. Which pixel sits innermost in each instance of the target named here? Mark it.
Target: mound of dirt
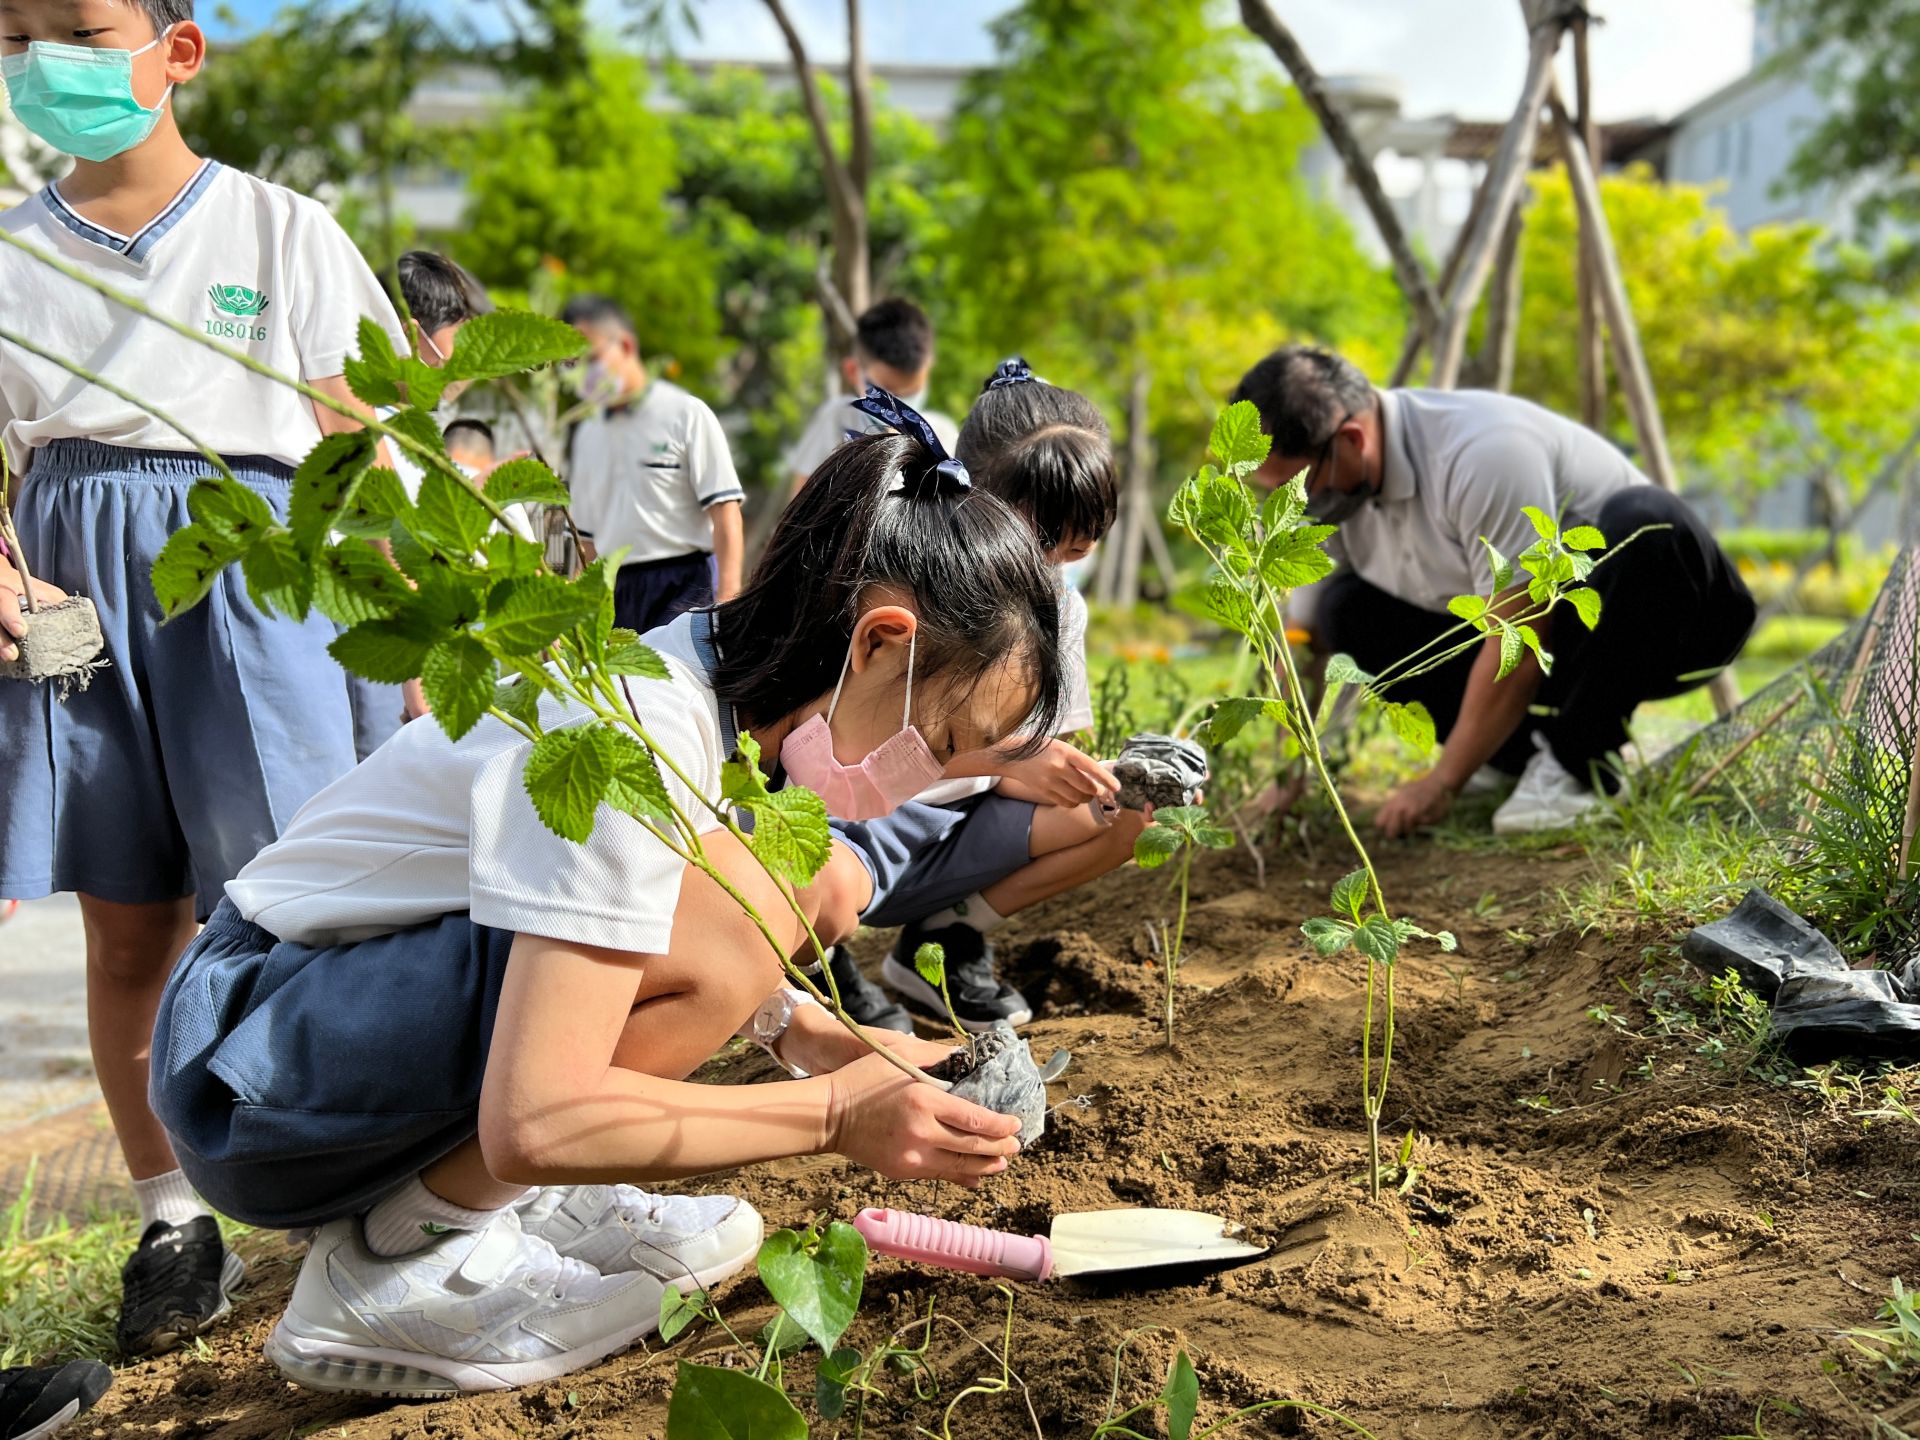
(1579, 1251)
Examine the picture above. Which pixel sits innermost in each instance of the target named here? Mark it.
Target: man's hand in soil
(820, 1044)
(13, 614)
(910, 1130)
(1058, 775)
(1415, 806)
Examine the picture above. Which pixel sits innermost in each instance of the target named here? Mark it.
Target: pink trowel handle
(973, 1248)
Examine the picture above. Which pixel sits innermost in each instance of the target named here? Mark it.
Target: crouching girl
(420, 1002)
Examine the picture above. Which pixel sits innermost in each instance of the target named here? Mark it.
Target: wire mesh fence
(1824, 758)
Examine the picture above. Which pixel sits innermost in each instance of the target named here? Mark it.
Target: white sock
(974, 912)
(412, 1217)
(168, 1197)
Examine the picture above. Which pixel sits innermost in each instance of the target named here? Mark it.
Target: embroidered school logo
(239, 309)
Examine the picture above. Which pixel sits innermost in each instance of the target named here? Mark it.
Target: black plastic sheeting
(1822, 1008)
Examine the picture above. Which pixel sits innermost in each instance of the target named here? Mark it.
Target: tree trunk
(1636, 384)
(845, 185)
(1592, 352)
(1259, 17)
(1506, 178)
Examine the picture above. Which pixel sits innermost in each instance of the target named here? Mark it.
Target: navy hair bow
(1011, 371)
(946, 473)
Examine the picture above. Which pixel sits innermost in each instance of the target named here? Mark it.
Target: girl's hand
(13, 613)
(1062, 775)
(820, 1044)
(909, 1130)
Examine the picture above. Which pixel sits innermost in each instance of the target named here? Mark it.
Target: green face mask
(79, 99)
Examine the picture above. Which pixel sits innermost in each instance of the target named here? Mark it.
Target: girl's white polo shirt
(239, 259)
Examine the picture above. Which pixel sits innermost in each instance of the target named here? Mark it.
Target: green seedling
(930, 960)
(1177, 831)
(1260, 551)
(1180, 1398)
(1895, 1344)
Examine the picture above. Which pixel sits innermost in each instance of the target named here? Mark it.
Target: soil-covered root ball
(62, 645)
(997, 1071)
(1163, 771)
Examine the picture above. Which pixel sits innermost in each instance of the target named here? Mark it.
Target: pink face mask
(889, 777)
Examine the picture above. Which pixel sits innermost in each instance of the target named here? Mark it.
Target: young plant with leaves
(1180, 1398)
(1177, 831)
(1263, 550)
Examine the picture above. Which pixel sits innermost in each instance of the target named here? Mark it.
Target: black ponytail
(884, 510)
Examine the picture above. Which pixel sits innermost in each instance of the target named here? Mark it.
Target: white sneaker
(692, 1242)
(1487, 781)
(487, 1309)
(1547, 797)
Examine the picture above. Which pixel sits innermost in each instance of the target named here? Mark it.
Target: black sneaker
(980, 998)
(175, 1285)
(865, 1001)
(37, 1400)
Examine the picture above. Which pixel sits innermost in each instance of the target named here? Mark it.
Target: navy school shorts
(922, 857)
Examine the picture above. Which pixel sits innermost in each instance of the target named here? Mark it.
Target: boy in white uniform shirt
(651, 474)
(892, 348)
(198, 741)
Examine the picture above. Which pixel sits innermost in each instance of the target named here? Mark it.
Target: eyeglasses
(1326, 451)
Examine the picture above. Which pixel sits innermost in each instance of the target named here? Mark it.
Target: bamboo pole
(1592, 346)
(1720, 765)
(17, 555)
(1912, 822)
(1636, 384)
(1506, 179)
(1500, 346)
(1259, 17)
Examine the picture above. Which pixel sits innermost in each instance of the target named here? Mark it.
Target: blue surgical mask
(79, 99)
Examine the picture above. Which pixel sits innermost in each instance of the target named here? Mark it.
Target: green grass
(60, 1283)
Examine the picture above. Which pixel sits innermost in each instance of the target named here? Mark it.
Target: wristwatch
(772, 1020)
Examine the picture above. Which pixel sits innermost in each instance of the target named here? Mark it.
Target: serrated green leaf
(678, 1311)
(741, 783)
(352, 582)
(1378, 939)
(1447, 940)
(324, 485)
(1229, 717)
(1584, 537)
(1531, 639)
(1467, 607)
(568, 775)
(630, 657)
(930, 962)
(458, 676)
(508, 342)
(374, 373)
(1213, 837)
(422, 384)
(1156, 845)
(525, 616)
(230, 511)
(1328, 936)
(509, 556)
(450, 515)
(713, 1404)
(525, 481)
(1511, 648)
(1412, 723)
(1237, 438)
(1282, 510)
(520, 698)
(1343, 669)
(1288, 561)
(1349, 894)
(637, 788)
(1543, 523)
(390, 650)
(1222, 511)
(279, 577)
(422, 429)
(377, 501)
(816, 1280)
(790, 833)
(1501, 566)
(1182, 1397)
(187, 566)
(597, 580)
(1226, 604)
(1586, 603)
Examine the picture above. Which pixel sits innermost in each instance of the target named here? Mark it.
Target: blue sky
(1650, 57)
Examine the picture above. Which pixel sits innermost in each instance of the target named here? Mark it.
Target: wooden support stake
(1912, 821)
(1416, 340)
(1499, 348)
(1720, 765)
(17, 555)
(1506, 178)
(1636, 384)
(1592, 351)
(1259, 17)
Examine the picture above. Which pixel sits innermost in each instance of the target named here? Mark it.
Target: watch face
(770, 1020)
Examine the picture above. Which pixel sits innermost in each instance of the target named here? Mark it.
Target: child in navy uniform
(196, 744)
(969, 852)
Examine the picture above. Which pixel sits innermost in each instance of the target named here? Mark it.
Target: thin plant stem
(1179, 934)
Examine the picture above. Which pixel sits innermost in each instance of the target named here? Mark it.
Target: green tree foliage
(578, 177)
(1129, 186)
(1864, 57)
(750, 184)
(1771, 351)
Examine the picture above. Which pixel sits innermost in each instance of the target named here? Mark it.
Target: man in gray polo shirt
(1415, 479)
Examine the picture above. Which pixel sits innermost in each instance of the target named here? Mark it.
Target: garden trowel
(1089, 1244)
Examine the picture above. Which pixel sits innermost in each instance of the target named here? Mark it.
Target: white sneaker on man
(489, 1309)
(1487, 781)
(1547, 797)
(690, 1241)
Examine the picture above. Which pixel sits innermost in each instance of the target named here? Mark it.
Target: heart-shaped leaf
(816, 1279)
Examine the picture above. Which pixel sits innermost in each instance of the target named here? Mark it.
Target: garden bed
(1584, 1251)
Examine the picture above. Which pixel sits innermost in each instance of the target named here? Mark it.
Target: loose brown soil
(1643, 1257)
